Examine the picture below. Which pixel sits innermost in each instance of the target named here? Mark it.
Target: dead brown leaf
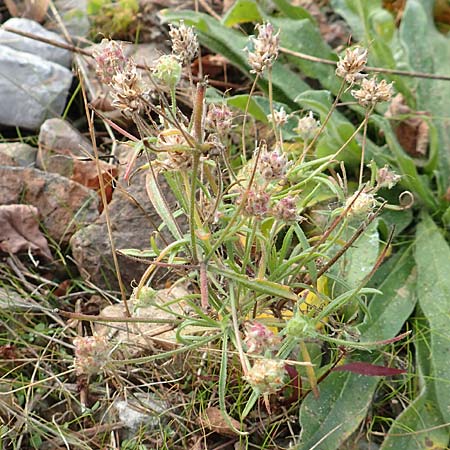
(214, 420)
(412, 132)
(20, 231)
(85, 173)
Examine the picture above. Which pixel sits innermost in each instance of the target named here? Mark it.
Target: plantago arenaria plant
(351, 65)
(263, 49)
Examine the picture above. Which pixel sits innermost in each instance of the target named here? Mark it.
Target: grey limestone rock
(32, 88)
(17, 154)
(32, 46)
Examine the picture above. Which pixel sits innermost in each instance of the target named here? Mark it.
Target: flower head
(279, 117)
(362, 205)
(264, 48)
(91, 354)
(352, 64)
(286, 209)
(259, 338)
(219, 118)
(266, 375)
(184, 42)
(307, 127)
(168, 70)
(109, 59)
(272, 165)
(127, 90)
(373, 92)
(256, 203)
(386, 178)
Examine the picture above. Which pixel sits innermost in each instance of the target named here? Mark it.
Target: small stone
(64, 205)
(33, 46)
(59, 144)
(32, 88)
(17, 154)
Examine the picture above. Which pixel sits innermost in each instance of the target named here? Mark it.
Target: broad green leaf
(433, 290)
(241, 12)
(360, 258)
(231, 43)
(304, 36)
(419, 426)
(429, 51)
(329, 420)
(291, 11)
(390, 310)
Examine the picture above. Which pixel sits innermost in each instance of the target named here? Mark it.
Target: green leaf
(304, 36)
(433, 289)
(293, 12)
(329, 420)
(429, 51)
(241, 12)
(390, 310)
(255, 109)
(419, 426)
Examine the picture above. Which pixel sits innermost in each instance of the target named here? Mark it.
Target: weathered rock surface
(132, 226)
(32, 88)
(59, 144)
(32, 46)
(64, 206)
(17, 154)
(74, 16)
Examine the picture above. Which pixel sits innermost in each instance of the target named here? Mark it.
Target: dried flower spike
(91, 354)
(352, 64)
(263, 49)
(373, 92)
(307, 127)
(184, 42)
(266, 375)
(109, 59)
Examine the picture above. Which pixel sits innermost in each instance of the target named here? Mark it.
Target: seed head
(174, 159)
(373, 92)
(91, 354)
(219, 118)
(352, 64)
(272, 165)
(266, 375)
(184, 42)
(263, 49)
(109, 59)
(259, 338)
(307, 127)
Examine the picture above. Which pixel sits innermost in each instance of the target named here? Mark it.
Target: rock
(17, 154)
(59, 143)
(74, 16)
(132, 225)
(32, 46)
(64, 205)
(162, 305)
(32, 88)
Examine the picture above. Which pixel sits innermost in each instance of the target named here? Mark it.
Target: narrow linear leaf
(368, 369)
